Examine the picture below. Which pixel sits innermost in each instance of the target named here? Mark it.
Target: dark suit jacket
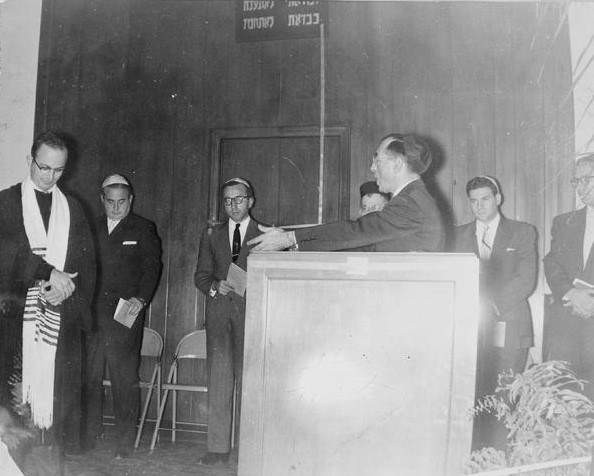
(18, 270)
(18, 264)
(129, 265)
(509, 277)
(410, 221)
(564, 262)
(214, 258)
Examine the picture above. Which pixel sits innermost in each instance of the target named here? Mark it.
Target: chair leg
(174, 413)
(147, 402)
(161, 410)
(233, 415)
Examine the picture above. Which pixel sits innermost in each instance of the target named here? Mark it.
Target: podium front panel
(358, 363)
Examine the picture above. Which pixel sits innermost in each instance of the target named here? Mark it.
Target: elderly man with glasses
(224, 247)
(569, 269)
(47, 279)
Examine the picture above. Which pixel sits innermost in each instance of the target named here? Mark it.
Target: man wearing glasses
(47, 278)
(569, 269)
(222, 247)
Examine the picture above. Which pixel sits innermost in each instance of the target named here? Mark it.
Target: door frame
(342, 132)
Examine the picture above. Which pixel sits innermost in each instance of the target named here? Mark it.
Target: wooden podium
(358, 364)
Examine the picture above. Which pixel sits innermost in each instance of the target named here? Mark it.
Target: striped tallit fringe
(41, 327)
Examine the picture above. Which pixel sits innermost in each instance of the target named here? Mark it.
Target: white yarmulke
(114, 179)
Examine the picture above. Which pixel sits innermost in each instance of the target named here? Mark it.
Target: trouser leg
(94, 388)
(123, 365)
(220, 383)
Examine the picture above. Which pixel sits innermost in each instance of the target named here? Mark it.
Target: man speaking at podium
(410, 221)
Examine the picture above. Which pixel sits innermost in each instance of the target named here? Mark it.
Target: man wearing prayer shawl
(47, 278)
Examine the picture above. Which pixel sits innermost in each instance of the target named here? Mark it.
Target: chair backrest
(192, 346)
(152, 343)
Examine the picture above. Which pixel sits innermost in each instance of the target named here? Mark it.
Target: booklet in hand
(123, 314)
(237, 277)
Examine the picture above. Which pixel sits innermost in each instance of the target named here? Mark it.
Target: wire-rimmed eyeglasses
(238, 200)
(583, 181)
(44, 169)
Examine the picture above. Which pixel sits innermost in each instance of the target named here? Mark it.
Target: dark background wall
(140, 84)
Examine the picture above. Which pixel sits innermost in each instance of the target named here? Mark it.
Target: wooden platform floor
(168, 459)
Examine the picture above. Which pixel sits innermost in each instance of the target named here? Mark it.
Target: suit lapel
(502, 238)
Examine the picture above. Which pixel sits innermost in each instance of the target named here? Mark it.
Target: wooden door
(283, 166)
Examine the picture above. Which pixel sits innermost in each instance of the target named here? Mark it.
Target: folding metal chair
(152, 347)
(191, 346)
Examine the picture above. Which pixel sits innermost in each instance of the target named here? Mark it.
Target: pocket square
(129, 243)
(510, 249)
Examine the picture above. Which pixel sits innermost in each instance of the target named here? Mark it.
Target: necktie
(236, 243)
(485, 246)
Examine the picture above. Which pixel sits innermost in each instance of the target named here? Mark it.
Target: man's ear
(29, 160)
(498, 199)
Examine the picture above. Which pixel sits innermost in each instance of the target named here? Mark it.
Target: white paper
(123, 315)
(237, 278)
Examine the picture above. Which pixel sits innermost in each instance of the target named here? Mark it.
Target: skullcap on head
(238, 180)
(492, 180)
(368, 187)
(115, 179)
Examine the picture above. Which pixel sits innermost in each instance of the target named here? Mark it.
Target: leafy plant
(547, 418)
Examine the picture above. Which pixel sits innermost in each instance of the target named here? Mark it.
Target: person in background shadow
(129, 269)
(508, 270)
(372, 200)
(569, 270)
(410, 221)
(47, 278)
(221, 246)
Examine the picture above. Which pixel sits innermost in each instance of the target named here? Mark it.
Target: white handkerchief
(129, 243)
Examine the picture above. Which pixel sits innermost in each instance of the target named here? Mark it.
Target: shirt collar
(493, 224)
(399, 189)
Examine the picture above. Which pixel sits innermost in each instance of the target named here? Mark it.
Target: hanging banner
(258, 20)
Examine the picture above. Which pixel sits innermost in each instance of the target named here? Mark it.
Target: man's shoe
(123, 453)
(210, 459)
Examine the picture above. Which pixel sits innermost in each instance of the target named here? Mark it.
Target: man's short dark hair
(51, 139)
(412, 149)
(482, 181)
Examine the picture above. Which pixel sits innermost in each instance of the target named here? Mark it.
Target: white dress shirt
(242, 230)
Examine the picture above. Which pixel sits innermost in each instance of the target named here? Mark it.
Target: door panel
(283, 166)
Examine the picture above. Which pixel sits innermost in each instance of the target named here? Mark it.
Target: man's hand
(273, 239)
(136, 305)
(61, 286)
(224, 287)
(581, 301)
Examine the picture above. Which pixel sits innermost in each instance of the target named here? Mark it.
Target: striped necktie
(485, 250)
(236, 243)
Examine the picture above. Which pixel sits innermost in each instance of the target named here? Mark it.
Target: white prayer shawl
(41, 320)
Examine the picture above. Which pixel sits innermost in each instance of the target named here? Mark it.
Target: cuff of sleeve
(294, 245)
(212, 292)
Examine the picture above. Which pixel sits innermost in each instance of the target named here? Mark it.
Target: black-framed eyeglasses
(44, 169)
(237, 200)
(583, 181)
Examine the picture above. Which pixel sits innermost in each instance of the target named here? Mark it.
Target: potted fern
(547, 417)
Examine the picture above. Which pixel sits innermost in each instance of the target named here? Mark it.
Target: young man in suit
(508, 270)
(410, 221)
(569, 261)
(129, 252)
(221, 246)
